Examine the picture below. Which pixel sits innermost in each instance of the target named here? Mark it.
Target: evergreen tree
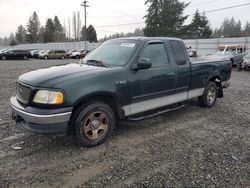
(83, 34)
(33, 28)
(12, 41)
(138, 32)
(230, 28)
(49, 35)
(225, 28)
(216, 33)
(247, 29)
(41, 34)
(58, 30)
(165, 18)
(91, 34)
(199, 27)
(206, 27)
(21, 35)
(238, 29)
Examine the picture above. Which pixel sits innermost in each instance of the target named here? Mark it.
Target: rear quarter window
(178, 52)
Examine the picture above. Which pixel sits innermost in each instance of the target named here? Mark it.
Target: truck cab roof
(148, 38)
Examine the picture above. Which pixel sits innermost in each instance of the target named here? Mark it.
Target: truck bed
(202, 69)
(206, 60)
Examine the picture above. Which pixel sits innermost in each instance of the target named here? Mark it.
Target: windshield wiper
(97, 63)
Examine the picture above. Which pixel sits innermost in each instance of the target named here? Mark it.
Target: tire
(209, 96)
(240, 68)
(232, 61)
(4, 58)
(45, 57)
(246, 68)
(77, 57)
(25, 57)
(63, 57)
(94, 123)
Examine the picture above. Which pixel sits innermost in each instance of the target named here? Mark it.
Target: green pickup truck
(122, 79)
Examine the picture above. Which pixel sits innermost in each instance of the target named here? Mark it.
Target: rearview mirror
(142, 64)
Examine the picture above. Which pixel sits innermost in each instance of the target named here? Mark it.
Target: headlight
(48, 97)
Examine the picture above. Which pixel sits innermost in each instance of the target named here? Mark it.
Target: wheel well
(110, 100)
(217, 80)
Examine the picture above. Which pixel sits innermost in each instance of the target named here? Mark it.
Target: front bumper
(41, 121)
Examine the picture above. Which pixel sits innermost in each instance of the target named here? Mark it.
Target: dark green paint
(125, 84)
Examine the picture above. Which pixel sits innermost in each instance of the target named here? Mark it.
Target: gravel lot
(191, 147)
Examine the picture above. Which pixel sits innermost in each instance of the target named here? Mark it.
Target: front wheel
(25, 57)
(4, 58)
(209, 96)
(94, 124)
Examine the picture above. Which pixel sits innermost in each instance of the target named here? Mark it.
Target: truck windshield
(114, 52)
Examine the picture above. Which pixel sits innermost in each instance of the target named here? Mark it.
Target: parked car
(192, 53)
(76, 54)
(235, 53)
(15, 54)
(121, 79)
(3, 50)
(52, 54)
(69, 53)
(36, 54)
(84, 53)
(33, 52)
(244, 65)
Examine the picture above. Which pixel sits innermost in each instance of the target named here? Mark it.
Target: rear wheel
(77, 57)
(45, 57)
(3, 57)
(63, 57)
(94, 123)
(25, 57)
(209, 96)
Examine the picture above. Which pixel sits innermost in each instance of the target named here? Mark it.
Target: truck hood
(51, 77)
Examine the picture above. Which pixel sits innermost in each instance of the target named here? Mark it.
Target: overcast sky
(108, 12)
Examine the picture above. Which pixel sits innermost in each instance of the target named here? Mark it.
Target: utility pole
(84, 4)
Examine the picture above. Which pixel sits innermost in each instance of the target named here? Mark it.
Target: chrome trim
(41, 119)
(151, 104)
(195, 93)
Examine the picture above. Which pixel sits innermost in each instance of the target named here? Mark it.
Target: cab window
(178, 52)
(156, 53)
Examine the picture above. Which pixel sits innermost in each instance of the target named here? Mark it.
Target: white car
(76, 54)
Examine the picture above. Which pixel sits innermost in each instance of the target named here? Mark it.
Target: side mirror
(142, 64)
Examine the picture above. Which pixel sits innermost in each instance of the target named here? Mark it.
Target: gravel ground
(190, 147)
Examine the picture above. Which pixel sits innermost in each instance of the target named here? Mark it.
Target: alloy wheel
(96, 126)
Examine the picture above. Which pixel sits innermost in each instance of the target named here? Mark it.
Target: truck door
(149, 87)
(181, 59)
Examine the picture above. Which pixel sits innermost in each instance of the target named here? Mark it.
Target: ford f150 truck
(123, 78)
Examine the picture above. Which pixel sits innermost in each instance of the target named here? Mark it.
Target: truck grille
(23, 93)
